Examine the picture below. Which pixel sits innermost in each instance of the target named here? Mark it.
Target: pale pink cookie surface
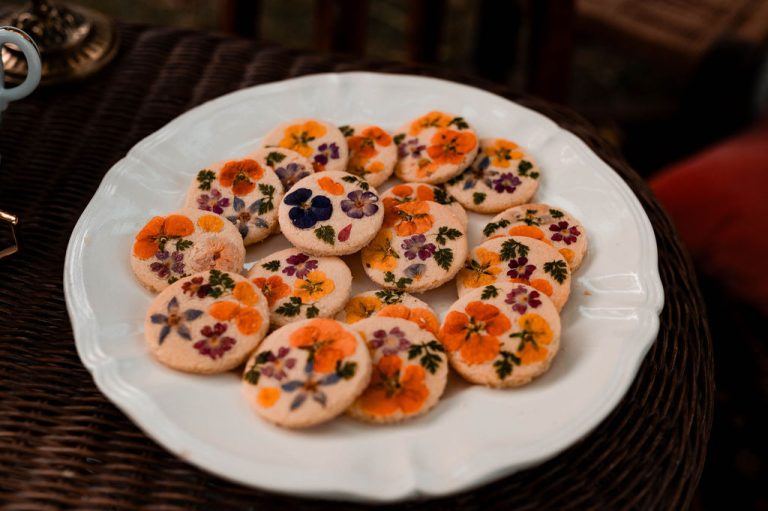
(187, 241)
(307, 373)
(390, 303)
(421, 246)
(434, 148)
(372, 153)
(320, 142)
(331, 213)
(289, 166)
(501, 335)
(546, 223)
(206, 323)
(517, 259)
(243, 191)
(502, 175)
(300, 286)
(409, 373)
(409, 192)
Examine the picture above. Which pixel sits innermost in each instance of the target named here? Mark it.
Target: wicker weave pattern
(63, 445)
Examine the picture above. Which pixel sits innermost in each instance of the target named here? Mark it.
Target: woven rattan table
(63, 445)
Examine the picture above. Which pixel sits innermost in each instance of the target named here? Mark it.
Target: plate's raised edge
(478, 471)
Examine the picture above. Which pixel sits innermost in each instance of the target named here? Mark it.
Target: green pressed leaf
(389, 277)
(530, 217)
(313, 312)
(511, 249)
(273, 265)
(457, 179)
(534, 175)
(478, 198)
(492, 227)
(362, 183)
(403, 282)
(489, 292)
(173, 279)
(347, 131)
(428, 353)
(523, 167)
(556, 213)
(505, 364)
(449, 233)
(252, 375)
(182, 244)
(443, 197)
(399, 138)
(558, 269)
(444, 258)
(267, 202)
(274, 158)
(346, 370)
(291, 308)
(326, 234)
(263, 357)
(390, 296)
(459, 122)
(220, 282)
(205, 178)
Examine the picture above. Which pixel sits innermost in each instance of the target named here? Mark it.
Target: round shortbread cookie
(307, 373)
(243, 191)
(318, 141)
(331, 213)
(434, 148)
(501, 335)
(421, 246)
(552, 225)
(409, 192)
(206, 323)
(389, 303)
(299, 286)
(185, 242)
(409, 373)
(372, 154)
(289, 166)
(517, 259)
(502, 175)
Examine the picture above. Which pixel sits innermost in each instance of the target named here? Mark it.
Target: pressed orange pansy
(430, 120)
(244, 293)
(247, 319)
(327, 342)
(392, 389)
(272, 288)
(502, 152)
(241, 175)
(313, 287)
(482, 269)
(298, 137)
(379, 254)
(156, 233)
(450, 146)
(361, 307)
(474, 332)
(414, 218)
(534, 335)
(425, 318)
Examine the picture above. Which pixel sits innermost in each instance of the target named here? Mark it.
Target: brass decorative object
(74, 42)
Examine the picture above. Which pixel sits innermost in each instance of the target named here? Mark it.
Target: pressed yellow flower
(534, 337)
(379, 254)
(502, 152)
(431, 120)
(313, 287)
(481, 270)
(210, 223)
(362, 307)
(298, 137)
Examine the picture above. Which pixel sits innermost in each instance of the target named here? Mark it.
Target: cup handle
(29, 49)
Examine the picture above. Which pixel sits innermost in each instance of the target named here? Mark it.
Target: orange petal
(395, 311)
(245, 294)
(529, 231)
(210, 223)
(178, 225)
(326, 359)
(248, 321)
(424, 192)
(145, 248)
(542, 285)
(330, 186)
(153, 228)
(268, 396)
(480, 349)
(375, 402)
(223, 311)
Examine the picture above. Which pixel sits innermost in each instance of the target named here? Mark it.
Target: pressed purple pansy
(326, 152)
(359, 204)
(520, 269)
(391, 342)
(307, 210)
(417, 246)
(175, 319)
(521, 298)
(299, 265)
(506, 183)
(245, 217)
(277, 364)
(415, 271)
(214, 343)
(168, 263)
(195, 287)
(561, 232)
(410, 148)
(213, 201)
(290, 174)
(310, 387)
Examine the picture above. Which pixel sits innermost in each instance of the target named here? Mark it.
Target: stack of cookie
(381, 356)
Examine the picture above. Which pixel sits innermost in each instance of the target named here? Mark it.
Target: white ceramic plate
(475, 434)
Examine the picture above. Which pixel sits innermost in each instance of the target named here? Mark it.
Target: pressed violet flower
(290, 174)
(520, 299)
(326, 152)
(168, 263)
(359, 204)
(196, 287)
(520, 269)
(277, 364)
(506, 182)
(410, 148)
(245, 217)
(299, 265)
(214, 343)
(391, 342)
(175, 319)
(417, 246)
(561, 232)
(310, 387)
(415, 271)
(307, 210)
(213, 202)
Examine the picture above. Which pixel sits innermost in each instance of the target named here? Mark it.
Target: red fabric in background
(718, 200)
